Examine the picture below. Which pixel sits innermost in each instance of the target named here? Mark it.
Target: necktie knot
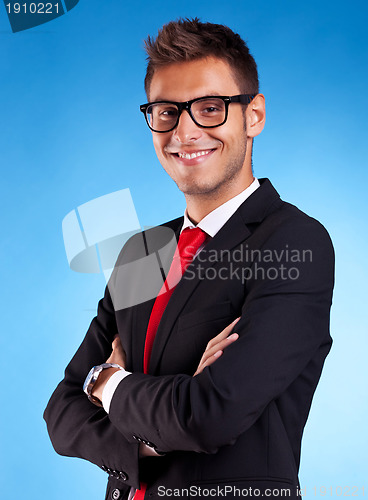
(190, 240)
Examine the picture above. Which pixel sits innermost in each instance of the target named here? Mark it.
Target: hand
(216, 346)
(117, 356)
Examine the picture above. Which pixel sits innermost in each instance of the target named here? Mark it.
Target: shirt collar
(213, 222)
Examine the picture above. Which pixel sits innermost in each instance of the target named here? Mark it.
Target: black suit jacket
(239, 423)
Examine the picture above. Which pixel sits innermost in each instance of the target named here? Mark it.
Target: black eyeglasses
(206, 112)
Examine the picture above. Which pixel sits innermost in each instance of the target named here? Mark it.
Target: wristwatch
(92, 377)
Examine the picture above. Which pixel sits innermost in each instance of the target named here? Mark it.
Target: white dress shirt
(211, 224)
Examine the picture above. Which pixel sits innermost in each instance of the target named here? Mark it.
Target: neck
(200, 205)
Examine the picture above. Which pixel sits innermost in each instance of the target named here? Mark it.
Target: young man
(190, 408)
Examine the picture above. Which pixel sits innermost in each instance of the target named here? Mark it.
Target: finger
(220, 346)
(207, 362)
(116, 343)
(118, 354)
(213, 353)
(222, 335)
(210, 360)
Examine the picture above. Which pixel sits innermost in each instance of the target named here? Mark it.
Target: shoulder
(281, 227)
(273, 220)
(149, 241)
(289, 220)
(297, 240)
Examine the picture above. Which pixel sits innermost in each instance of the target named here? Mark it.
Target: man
(190, 408)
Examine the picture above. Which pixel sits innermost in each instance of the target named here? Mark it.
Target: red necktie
(190, 241)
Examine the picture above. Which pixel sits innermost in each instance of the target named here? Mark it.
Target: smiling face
(204, 163)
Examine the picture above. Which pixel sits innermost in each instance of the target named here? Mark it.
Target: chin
(195, 189)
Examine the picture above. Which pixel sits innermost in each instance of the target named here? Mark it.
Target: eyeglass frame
(186, 106)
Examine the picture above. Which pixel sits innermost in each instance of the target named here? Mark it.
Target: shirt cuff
(111, 386)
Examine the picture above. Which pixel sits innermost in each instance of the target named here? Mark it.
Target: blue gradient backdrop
(71, 131)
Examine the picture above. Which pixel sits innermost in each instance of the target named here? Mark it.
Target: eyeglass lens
(208, 112)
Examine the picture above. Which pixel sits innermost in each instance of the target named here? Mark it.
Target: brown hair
(189, 39)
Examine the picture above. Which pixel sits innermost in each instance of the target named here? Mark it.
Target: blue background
(71, 131)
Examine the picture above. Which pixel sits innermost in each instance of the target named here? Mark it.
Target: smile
(190, 156)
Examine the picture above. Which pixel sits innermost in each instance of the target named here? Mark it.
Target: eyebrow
(211, 94)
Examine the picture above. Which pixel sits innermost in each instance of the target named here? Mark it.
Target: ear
(256, 116)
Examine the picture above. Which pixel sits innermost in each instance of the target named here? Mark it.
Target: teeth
(193, 155)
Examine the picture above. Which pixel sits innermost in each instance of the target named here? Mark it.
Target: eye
(165, 112)
(210, 109)
(168, 112)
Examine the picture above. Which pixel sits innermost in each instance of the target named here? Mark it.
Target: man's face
(221, 162)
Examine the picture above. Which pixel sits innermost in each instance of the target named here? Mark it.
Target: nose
(187, 131)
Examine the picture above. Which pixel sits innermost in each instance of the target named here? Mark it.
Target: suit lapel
(158, 243)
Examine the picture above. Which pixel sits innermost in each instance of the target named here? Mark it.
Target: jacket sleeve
(76, 426)
(284, 330)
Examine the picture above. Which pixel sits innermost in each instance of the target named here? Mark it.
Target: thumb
(116, 342)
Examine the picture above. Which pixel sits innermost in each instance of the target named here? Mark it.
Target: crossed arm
(213, 351)
(284, 325)
(77, 427)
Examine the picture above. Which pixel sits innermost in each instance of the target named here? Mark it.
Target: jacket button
(123, 476)
(115, 494)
